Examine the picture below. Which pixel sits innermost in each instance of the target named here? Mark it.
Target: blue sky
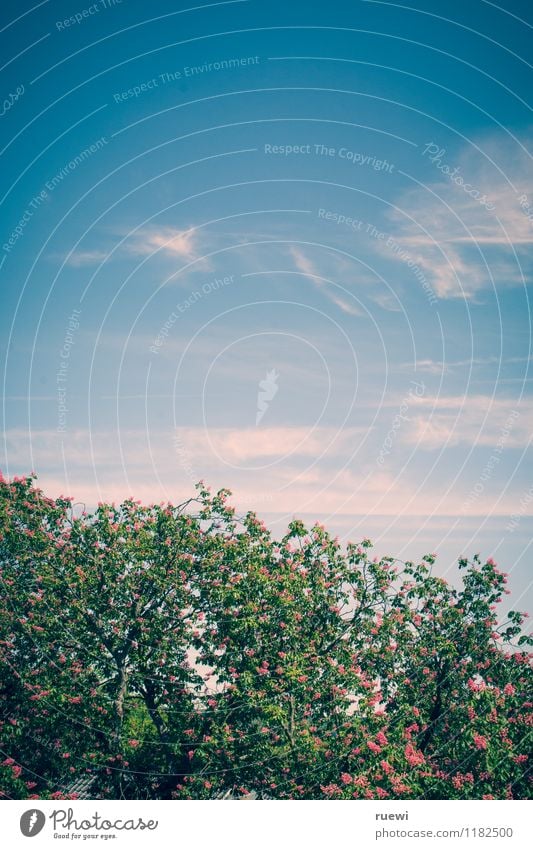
(285, 248)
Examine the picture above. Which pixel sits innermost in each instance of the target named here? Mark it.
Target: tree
(182, 652)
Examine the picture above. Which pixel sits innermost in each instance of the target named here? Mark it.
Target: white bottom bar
(278, 824)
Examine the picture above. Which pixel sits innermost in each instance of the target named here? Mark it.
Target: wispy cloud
(386, 301)
(324, 282)
(430, 366)
(106, 465)
(166, 241)
(460, 243)
(270, 443)
(78, 259)
(476, 420)
(304, 264)
(183, 244)
(231, 445)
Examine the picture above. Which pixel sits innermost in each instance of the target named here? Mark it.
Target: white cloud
(324, 284)
(461, 245)
(168, 241)
(344, 305)
(267, 443)
(304, 264)
(476, 420)
(233, 445)
(179, 243)
(386, 301)
(78, 259)
(286, 470)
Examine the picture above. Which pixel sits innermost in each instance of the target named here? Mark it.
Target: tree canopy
(182, 652)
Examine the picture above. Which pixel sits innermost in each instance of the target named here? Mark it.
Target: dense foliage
(180, 652)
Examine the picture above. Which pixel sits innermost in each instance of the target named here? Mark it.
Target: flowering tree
(181, 652)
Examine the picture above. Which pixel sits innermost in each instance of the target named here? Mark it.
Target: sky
(281, 247)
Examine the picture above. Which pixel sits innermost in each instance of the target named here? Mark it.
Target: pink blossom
(474, 687)
(413, 757)
(330, 789)
(480, 742)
